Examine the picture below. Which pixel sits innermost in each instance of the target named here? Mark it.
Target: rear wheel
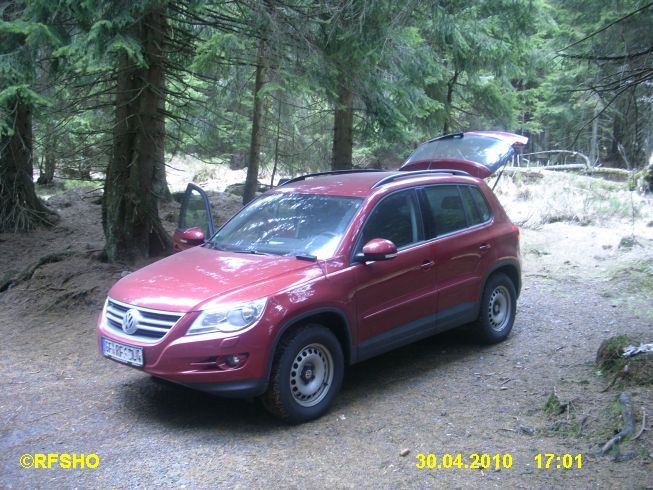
(306, 375)
(498, 307)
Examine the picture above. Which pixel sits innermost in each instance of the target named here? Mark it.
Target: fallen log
(531, 172)
(582, 156)
(566, 166)
(610, 172)
(537, 171)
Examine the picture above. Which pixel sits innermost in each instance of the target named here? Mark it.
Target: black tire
(306, 375)
(498, 308)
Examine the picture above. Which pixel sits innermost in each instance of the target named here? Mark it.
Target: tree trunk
(619, 130)
(251, 183)
(20, 208)
(450, 89)
(594, 143)
(47, 168)
(276, 145)
(130, 206)
(160, 184)
(343, 129)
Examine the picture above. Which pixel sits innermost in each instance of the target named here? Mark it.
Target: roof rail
(413, 173)
(332, 172)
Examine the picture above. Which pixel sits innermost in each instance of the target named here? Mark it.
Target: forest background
(115, 90)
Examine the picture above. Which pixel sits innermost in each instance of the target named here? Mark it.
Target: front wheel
(306, 375)
(498, 308)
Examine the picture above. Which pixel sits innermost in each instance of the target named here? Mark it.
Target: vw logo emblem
(130, 321)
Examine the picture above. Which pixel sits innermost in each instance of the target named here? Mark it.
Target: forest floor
(588, 274)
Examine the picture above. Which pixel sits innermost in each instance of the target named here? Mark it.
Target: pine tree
(21, 34)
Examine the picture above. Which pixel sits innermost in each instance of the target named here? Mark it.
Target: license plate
(123, 353)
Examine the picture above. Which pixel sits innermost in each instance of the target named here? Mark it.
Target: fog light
(231, 361)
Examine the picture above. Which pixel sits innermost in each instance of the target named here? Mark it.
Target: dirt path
(444, 395)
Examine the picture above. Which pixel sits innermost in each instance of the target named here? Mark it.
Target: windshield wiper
(249, 251)
(310, 258)
(212, 246)
(252, 251)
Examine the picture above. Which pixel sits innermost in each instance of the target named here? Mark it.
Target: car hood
(188, 280)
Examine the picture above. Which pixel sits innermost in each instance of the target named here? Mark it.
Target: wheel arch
(331, 318)
(510, 268)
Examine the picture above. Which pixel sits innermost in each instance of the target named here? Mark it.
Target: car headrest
(451, 202)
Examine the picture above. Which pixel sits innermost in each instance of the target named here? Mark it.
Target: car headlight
(103, 313)
(228, 318)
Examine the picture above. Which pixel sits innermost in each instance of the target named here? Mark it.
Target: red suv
(319, 273)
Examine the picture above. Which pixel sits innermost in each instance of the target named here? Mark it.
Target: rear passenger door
(458, 218)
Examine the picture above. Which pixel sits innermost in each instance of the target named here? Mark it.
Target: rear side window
(447, 209)
(478, 206)
(396, 219)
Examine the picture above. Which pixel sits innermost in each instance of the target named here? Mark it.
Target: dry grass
(564, 197)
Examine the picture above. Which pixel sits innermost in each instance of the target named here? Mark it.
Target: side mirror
(192, 236)
(378, 249)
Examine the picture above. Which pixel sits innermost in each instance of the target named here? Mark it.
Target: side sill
(418, 329)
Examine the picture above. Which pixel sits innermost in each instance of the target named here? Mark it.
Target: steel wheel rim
(499, 308)
(311, 375)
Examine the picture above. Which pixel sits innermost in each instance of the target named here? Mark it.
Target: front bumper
(247, 388)
(197, 361)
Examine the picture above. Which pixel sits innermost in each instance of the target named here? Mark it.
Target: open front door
(195, 220)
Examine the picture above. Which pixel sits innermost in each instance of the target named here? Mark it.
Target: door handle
(485, 247)
(427, 264)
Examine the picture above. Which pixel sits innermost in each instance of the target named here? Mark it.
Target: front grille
(152, 324)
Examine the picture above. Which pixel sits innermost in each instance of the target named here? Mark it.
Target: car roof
(366, 183)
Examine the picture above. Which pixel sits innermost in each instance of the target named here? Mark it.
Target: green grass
(552, 405)
(69, 184)
(565, 428)
(62, 185)
(617, 206)
(635, 276)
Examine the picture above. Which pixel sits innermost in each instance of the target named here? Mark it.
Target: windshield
(289, 224)
(480, 149)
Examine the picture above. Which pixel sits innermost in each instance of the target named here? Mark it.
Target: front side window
(396, 219)
(195, 214)
(289, 224)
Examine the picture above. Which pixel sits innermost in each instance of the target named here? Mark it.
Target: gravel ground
(443, 395)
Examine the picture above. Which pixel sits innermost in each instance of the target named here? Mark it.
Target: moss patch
(553, 405)
(631, 370)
